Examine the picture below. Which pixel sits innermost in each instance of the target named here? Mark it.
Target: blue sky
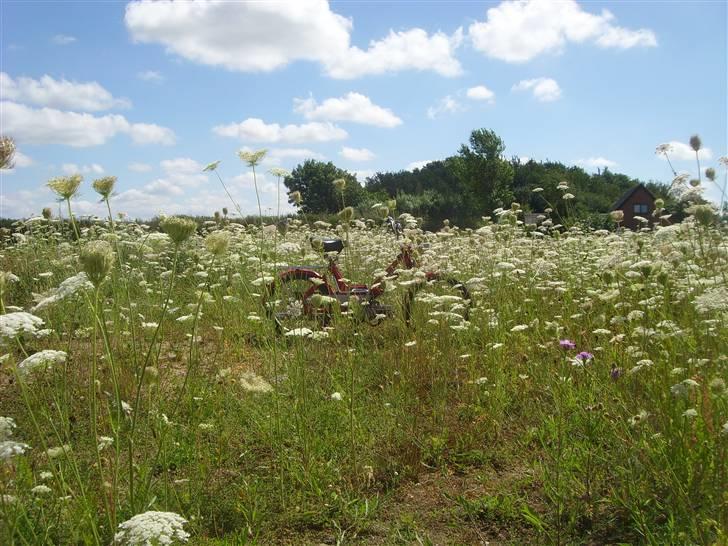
(153, 91)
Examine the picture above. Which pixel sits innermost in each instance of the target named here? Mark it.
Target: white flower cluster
(9, 448)
(67, 288)
(18, 323)
(41, 359)
(254, 383)
(151, 529)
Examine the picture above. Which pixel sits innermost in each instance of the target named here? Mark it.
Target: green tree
(315, 180)
(484, 171)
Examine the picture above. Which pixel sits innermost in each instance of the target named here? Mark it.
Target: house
(637, 201)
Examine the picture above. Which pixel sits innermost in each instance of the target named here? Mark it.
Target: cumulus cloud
(595, 163)
(51, 126)
(518, 31)
(361, 176)
(480, 92)
(47, 91)
(682, 151)
(72, 168)
(256, 130)
(446, 105)
(353, 107)
(412, 49)
(150, 76)
(264, 36)
(417, 164)
(139, 167)
(543, 89)
(293, 153)
(63, 39)
(356, 154)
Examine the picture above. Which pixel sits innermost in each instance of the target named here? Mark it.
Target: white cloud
(480, 92)
(64, 94)
(139, 167)
(353, 107)
(418, 164)
(681, 151)
(543, 89)
(293, 153)
(51, 126)
(412, 49)
(72, 168)
(256, 130)
(361, 176)
(150, 76)
(148, 133)
(520, 31)
(595, 163)
(445, 105)
(21, 160)
(264, 36)
(63, 39)
(356, 154)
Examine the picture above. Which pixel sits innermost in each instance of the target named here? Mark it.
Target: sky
(152, 91)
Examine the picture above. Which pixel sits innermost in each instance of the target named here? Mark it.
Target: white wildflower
(67, 288)
(41, 490)
(41, 359)
(19, 323)
(254, 383)
(336, 396)
(152, 528)
(104, 442)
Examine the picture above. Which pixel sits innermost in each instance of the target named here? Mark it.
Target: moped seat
(333, 245)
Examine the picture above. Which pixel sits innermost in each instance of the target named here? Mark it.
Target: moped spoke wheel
(440, 298)
(294, 304)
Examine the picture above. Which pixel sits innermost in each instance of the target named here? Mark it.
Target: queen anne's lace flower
(18, 323)
(9, 448)
(67, 288)
(41, 359)
(151, 529)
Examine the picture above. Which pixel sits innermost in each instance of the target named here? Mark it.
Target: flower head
(65, 186)
(41, 359)
(179, 229)
(152, 528)
(295, 197)
(96, 260)
(340, 184)
(695, 143)
(252, 158)
(346, 214)
(617, 215)
(104, 186)
(567, 344)
(7, 152)
(663, 148)
(584, 356)
(211, 166)
(217, 242)
(279, 172)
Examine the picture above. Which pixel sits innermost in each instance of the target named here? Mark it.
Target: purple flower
(584, 355)
(567, 344)
(615, 372)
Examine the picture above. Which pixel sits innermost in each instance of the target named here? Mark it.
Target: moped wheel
(291, 303)
(438, 298)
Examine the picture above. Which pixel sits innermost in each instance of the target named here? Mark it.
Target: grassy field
(584, 400)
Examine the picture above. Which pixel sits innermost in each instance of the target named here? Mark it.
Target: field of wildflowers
(147, 397)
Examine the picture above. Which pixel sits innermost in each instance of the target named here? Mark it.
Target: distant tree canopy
(315, 180)
(470, 185)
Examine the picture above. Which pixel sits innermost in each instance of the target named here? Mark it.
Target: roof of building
(626, 195)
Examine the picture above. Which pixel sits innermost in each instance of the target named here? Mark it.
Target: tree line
(471, 184)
